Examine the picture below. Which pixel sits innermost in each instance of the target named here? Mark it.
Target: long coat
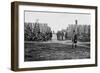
(74, 38)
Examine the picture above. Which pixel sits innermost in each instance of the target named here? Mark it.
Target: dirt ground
(54, 51)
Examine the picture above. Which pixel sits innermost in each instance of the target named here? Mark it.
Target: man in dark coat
(62, 35)
(74, 39)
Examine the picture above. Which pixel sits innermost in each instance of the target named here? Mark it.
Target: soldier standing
(74, 39)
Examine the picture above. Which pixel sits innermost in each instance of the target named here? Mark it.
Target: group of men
(61, 36)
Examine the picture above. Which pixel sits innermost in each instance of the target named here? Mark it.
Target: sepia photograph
(56, 35)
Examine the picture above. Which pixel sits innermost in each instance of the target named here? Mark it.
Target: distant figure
(66, 35)
(62, 35)
(59, 35)
(50, 33)
(74, 39)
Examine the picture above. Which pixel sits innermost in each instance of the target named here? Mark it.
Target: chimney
(76, 22)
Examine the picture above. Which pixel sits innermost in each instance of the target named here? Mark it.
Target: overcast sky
(57, 21)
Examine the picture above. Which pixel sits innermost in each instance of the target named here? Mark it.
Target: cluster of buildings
(37, 31)
(80, 30)
(42, 27)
